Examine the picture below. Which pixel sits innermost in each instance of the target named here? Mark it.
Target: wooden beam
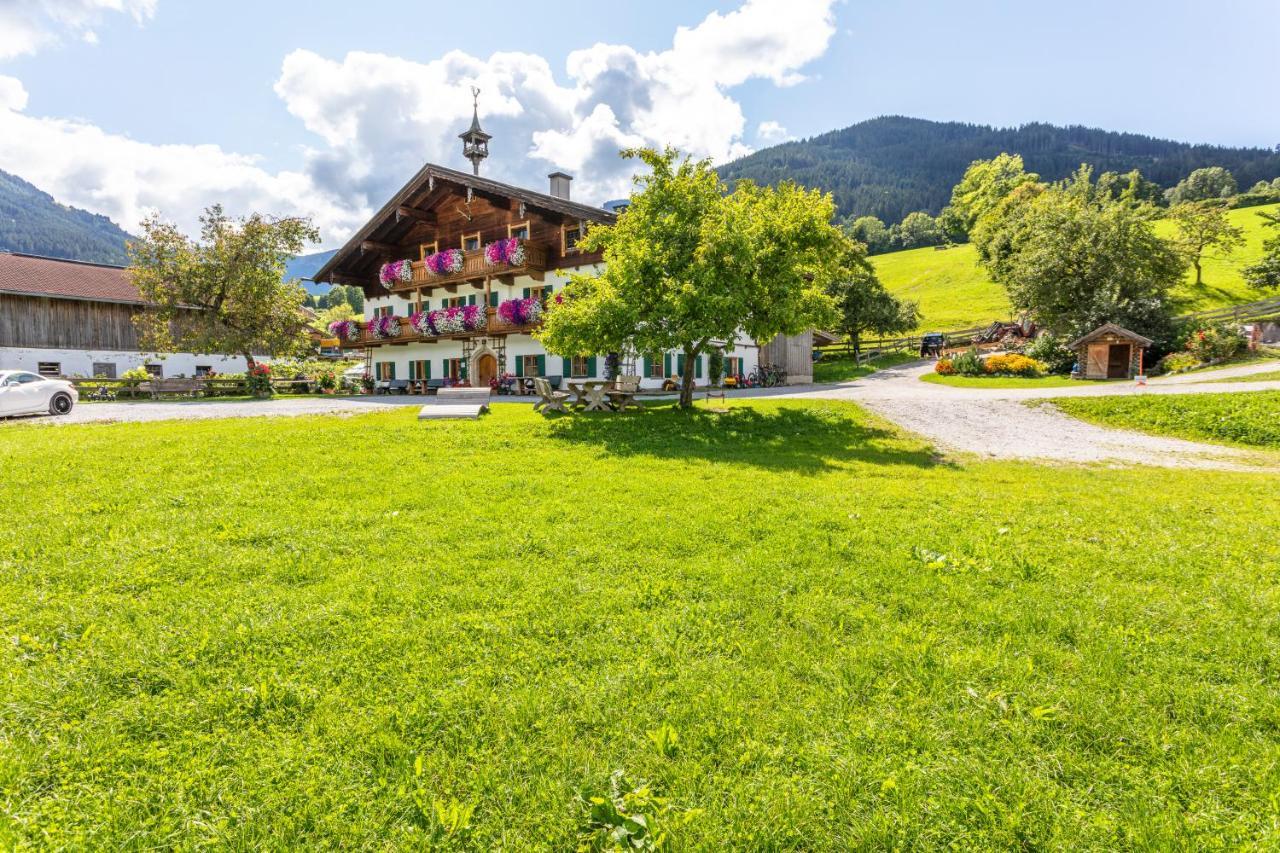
(374, 246)
(339, 278)
(413, 213)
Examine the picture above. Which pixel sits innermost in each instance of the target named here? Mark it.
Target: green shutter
(471, 299)
(519, 365)
(680, 364)
(493, 299)
(666, 364)
(462, 368)
(591, 366)
(526, 293)
(542, 365)
(648, 367)
(697, 367)
(568, 367)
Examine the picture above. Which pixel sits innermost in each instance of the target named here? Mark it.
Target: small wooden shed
(1110, 352)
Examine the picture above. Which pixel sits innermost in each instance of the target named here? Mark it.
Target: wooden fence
(211, 387)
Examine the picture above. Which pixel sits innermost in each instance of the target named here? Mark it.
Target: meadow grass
(797, 627)
(1269, 376)
(829, 369)
(1251, 419)
(955, 293)
(957, 381)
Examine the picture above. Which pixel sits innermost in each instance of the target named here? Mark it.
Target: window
(580, 366)
(470, 242)
(104, 370)
(22, 378)
(518, 229)
(530, 365)
(156, 370)
(203, 370)
(425, 249)
(570, 235)
(653, 368)
(383, 311)
(455, 368)
(49, 368)
(420, 369)
(384, 370)
(455, 301)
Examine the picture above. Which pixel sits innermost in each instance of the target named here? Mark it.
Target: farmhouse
(458, 269)
(71, 318)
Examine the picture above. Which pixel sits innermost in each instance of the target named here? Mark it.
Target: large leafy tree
(1200, 226)
(1213, 182)
(1266, 273)
(689, 264)
(864, 304)
(224, 292)
(986, 183)
(1074, 258)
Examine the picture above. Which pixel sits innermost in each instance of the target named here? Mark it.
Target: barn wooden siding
(38, 321)
(795, 355)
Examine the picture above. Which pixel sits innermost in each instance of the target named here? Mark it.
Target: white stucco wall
(80, 362)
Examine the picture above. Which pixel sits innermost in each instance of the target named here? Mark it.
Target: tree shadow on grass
(797, 438)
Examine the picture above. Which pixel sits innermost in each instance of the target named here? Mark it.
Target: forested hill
(889, 167)
(32, 221)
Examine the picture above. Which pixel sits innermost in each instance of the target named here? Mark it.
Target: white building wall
(81, 362)
(518, 345)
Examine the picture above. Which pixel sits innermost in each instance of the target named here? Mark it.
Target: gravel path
(991, 422)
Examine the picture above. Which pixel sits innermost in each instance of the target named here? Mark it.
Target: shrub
(1176, 362)
(136, 373)
(944, 367)
(1051, 350)
(968, 363)
(715, 366)
(259, 380)
(1214, 342)
(1012, 364)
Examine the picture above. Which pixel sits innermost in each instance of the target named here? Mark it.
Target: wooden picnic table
(591, 395)
(622, 399)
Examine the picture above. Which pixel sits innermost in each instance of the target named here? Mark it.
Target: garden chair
(549, 400)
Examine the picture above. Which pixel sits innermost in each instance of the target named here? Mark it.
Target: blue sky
(128, 106)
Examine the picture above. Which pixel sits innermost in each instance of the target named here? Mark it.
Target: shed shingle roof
(32, 275)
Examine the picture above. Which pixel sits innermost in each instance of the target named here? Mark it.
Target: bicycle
(102, 394)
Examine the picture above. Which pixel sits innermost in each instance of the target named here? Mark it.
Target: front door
(1118, 362)
(486, 370)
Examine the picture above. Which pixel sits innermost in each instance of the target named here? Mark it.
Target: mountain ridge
(35, 223)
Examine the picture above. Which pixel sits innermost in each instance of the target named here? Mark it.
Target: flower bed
(505, 253)
(520, 312)
(970, 363)
(385, 327)
(396, 271)
(447, 262)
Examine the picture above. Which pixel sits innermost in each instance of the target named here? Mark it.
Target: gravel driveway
(991, 422)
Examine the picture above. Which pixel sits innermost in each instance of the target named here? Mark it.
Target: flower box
(396, 271)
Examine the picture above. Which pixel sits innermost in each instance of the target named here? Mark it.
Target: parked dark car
(932, 344)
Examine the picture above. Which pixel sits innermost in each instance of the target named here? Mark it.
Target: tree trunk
(1196, 263)
(686, 378)
(857, 348)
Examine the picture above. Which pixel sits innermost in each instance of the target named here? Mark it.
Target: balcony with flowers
(462, 321)
(501, 258)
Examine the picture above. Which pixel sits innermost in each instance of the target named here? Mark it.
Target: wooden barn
(1109, 352)
(72, 318)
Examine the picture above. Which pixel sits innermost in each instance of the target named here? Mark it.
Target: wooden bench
(456, 403)
(173, 387)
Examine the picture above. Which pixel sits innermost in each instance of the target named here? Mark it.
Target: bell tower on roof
(475, 142)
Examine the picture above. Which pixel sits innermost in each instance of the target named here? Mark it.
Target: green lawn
(1251, 419)
(799, 628)
(1269, 376)
(955, 293)
(846, 370)
(956, 381)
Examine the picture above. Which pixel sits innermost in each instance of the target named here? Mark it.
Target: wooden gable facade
(442, 209)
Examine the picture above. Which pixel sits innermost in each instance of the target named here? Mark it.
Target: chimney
(560, 184)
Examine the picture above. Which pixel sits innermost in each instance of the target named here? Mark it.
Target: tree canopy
(865, 306)
(224, 292)
(1266, 273)
(1213, 182)
(688, 264)
(1202, 225)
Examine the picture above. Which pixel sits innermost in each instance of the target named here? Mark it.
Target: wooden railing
(475, 267)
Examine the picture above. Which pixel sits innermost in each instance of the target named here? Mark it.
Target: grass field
(1269, 376)
(797, 627)
(846, 369)
(1251, 419)
(955, 293)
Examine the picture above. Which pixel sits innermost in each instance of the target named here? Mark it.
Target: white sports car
(23, 393)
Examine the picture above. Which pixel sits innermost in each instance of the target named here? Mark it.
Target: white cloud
(28, 25)
(377, 118)
(771, 133)
(381, 116)
(82, 165)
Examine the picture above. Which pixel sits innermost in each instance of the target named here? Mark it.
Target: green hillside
(32, 221)
(955, 293)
